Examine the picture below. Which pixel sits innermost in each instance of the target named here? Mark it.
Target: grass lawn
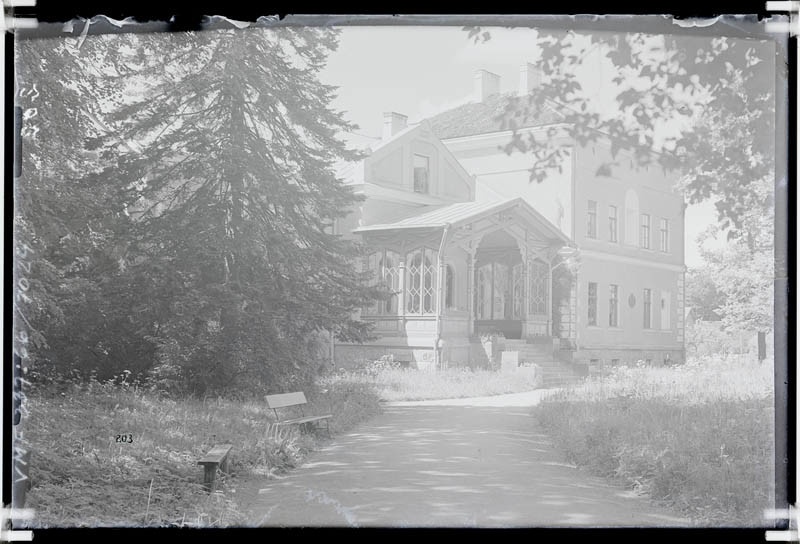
(698, 437)
(397, 384)
(82, 476)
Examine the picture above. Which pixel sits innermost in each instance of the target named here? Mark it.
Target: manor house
(587, 264)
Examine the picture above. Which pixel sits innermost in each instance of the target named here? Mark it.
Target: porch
(459, 272)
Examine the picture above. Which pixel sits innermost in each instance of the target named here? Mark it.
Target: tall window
(648, 308)
(663, 238)
(539, 291)
(592, 304)
(496, 291)
(666, 298)
(449, 290)
(421, 282)
(483, 307)
(501, 309)
(613, 305)
(421, 173)
(591, 224)
(384, 265)
(612, 223)
(518, 300)
(644, 231)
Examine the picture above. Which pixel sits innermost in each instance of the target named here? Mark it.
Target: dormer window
(421, 174)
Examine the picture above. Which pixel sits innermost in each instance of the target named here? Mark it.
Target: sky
(420, 71)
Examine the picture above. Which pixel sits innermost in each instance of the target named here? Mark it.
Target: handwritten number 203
(127, 438)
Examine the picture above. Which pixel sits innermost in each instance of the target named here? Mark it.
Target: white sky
(421, 71)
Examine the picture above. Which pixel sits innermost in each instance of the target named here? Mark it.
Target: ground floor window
(449, 287)
(517, 291)
(592, 304)
(421, 281)
(540, 288)
(666, 298)
(500, 291)
(647, 303)
(385, 267)
(613, 304)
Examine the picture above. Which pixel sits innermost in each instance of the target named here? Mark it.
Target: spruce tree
(211, 159)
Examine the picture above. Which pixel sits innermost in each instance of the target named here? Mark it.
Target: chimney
(393, 123)
(486, 84)
(529, 78)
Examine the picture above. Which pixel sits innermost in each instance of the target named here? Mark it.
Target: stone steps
(525, 352)
(558, 376)
(554, 373)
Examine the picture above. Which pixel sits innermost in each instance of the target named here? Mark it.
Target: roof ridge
(489, 116)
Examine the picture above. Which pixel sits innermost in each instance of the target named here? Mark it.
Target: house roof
(463, 213)
(504, 112)
(498, 112)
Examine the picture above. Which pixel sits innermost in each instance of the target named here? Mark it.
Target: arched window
(384, 265)
(631, 218)
(540, 288)
(517, 292)
(390, 276)
(501, 307)
(483, 307)
(421, 281)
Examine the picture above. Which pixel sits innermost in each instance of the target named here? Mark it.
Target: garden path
(458, 463)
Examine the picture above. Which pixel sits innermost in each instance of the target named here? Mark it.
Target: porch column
(440, 287)
(401, 285)
(471, 290)
(550, 324)
(523, 251)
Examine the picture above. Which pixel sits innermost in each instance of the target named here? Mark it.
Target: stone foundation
(611, 357)
(354, 355)
(475, 354)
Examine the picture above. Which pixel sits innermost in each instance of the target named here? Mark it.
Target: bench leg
(209, 476)
(328, 427)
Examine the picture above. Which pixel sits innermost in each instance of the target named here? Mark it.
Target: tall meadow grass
(83, 475)
(394, 383)
(699, 437)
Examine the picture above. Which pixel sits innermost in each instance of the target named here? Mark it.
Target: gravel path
(480, 462)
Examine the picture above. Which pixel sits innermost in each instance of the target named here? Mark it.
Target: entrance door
(500, 303)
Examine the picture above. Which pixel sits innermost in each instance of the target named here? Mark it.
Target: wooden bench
(287, 400)
(217, 457)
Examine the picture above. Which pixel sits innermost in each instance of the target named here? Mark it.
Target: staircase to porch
(554, 373)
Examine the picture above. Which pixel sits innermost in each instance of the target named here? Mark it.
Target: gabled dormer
(407, 171)
(410, 164)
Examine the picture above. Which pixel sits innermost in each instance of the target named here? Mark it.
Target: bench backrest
(286, 399)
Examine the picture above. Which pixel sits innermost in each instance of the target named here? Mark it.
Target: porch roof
(464, 213)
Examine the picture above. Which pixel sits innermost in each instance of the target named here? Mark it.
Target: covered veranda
(462, 270)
